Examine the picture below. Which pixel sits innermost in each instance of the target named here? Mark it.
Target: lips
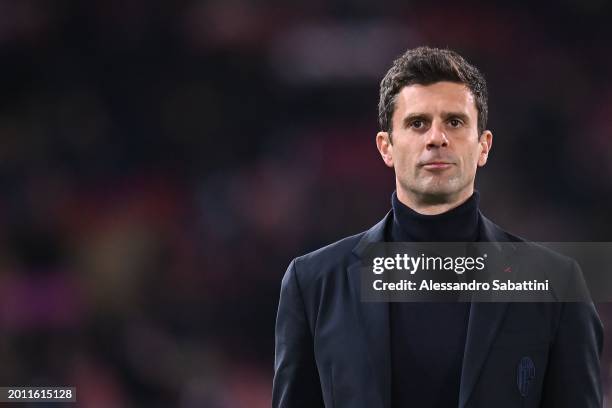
(436, 162)
(436, 165)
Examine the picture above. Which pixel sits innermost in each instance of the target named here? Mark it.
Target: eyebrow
(414, 116)
(458, 115)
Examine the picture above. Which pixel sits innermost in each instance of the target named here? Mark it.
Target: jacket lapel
(484, 323)
(374, 316)
(485, 320)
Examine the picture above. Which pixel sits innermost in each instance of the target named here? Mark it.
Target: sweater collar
(460, 224)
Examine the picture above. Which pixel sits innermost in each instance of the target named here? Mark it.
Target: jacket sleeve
(573, 377)
(296, 379)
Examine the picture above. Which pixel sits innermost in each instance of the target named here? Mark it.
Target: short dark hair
(425, 66)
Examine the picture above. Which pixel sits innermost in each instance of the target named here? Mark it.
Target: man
(334, 350)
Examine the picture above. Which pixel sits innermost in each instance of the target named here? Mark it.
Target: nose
(436, 137)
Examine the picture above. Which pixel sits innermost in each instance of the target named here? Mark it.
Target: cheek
(403, 161)
(404, 154)
(472, 157)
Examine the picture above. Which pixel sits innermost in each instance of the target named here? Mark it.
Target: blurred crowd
(163, 162)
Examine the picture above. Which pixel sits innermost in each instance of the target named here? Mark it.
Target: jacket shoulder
(315, 271)
(328, 258)
(493, 232)
(525, 245)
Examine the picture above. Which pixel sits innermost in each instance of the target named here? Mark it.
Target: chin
(445, 189)
(437, 197)
(437, 193)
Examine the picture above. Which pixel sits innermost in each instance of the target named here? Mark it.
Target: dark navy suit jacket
(332, 349)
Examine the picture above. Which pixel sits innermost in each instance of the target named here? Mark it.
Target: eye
(417, 124)
(454, 122)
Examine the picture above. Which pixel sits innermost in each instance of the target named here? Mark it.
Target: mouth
(436, 165)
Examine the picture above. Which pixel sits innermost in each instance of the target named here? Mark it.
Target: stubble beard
(434, 190)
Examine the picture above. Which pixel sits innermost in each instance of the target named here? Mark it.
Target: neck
(428, 205)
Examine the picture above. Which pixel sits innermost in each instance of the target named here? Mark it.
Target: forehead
(435, 98)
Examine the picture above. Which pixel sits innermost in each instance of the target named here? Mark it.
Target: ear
(385, 147)
(486, 143)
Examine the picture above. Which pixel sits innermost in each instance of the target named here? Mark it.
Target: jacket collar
(489, 232)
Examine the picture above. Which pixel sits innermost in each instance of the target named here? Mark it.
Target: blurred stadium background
(162, 163)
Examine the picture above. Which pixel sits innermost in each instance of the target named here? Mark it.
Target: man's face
(435, 147)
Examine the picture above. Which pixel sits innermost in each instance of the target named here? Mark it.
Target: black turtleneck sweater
(428, 339)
